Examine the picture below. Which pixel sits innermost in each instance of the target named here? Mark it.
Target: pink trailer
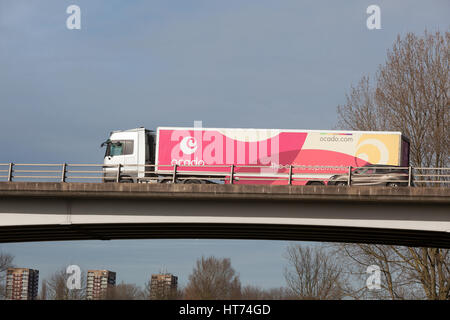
(273, 156)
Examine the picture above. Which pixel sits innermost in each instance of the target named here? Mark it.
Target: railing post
(174, 177)
(232, 174)
(63, 173)
(10, 172)
(349, 182)
(290, 174)
(118, 172)
(409, 176)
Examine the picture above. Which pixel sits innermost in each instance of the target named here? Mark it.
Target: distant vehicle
(256, 156)
(373, 175)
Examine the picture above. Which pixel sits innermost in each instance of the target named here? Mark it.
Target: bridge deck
(217, 191)
(44, 211)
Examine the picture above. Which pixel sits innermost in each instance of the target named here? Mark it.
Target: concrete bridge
(44, 211)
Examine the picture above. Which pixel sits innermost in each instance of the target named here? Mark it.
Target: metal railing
(281, 174)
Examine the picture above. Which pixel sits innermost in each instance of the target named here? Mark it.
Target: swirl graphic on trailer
(377, 149)
(375, 152)
(188, 145)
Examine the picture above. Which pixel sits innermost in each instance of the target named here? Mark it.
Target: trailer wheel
(315, 183)
(193, 181)
(394, 184)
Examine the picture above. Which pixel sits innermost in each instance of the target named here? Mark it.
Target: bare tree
(147, 290)
(360, 110)
(312, 273)
(213, 279)
(281, 294)
(125, 291)
(57, 289)
(43, 292)
(255, 293)
(406, 273)
(410, 94)
(6, 261)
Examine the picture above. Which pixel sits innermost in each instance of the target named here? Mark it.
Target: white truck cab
(131, 150)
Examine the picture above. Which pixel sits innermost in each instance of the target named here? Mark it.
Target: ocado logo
(188, 145)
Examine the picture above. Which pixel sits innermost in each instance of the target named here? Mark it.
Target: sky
(236, 63)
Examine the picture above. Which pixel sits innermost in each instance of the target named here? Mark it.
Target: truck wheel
(126, 179)
(341, 183)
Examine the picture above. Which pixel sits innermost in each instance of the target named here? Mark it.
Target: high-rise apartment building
(22, 284)
(100, 284)
(163, 286)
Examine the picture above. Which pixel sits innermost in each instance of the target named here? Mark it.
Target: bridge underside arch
(118, 231)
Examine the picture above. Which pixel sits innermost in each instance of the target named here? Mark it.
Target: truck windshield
(116, 149)
(119, 148)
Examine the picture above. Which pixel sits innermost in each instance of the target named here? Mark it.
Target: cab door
(121, 151)
(113, 158)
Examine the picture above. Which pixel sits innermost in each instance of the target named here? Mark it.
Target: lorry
(246, 156)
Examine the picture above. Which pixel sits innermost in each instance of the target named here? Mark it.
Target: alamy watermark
(374, 20)
(198, 147)
(373, 282)
(73, 22)
(73, 281)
